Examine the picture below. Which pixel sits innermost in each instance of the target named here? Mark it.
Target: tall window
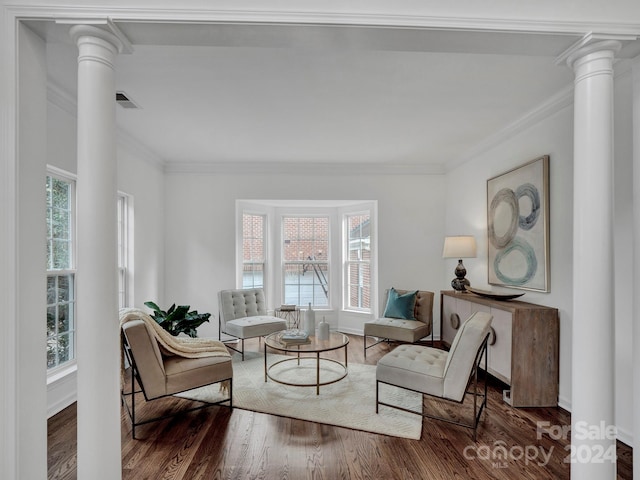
(358, 261)
(61, 297)
(253, 250)
(123, 250)
(306, 260)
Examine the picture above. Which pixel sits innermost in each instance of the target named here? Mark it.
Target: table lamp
(459, 246)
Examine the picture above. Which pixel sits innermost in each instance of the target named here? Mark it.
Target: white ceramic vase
(323, 330)
(309, 325)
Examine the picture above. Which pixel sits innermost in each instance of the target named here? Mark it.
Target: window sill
(358, 312)
(59, 373)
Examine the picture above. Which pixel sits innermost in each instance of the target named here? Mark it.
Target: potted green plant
(179, 319)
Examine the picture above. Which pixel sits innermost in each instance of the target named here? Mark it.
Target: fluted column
(636, 267)
(592, 404)
(99, 449)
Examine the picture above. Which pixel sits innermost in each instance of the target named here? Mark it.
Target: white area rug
(349, 403)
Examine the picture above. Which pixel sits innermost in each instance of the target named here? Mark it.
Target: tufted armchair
(403, 330)
(441, 374)
(243, 314)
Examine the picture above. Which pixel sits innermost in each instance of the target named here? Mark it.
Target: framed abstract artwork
(518, 227)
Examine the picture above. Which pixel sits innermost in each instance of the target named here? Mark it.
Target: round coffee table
(336, 341)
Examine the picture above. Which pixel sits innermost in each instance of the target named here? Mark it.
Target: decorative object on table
(294, 336)
(290, 313)
(310, 321)
(494, 295)
(179, 319)
(323, 330)
(518, 227)
(459, 246)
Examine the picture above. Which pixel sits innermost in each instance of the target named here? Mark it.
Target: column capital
(103, 28)
(590, 43)
(607, 48)
(80, 34)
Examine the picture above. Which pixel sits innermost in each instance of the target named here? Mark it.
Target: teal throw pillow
(400, 306)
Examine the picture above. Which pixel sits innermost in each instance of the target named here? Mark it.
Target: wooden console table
(523, 346)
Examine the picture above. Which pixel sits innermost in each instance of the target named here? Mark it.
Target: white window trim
(129, 247)
(240, 246)
(63, 369)
(344, 215)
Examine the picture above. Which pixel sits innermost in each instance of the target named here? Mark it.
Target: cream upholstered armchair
(243, 314)
(160, 374)
(407, 317)
(441, 374)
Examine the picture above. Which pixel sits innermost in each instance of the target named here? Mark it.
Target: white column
(592, 404)
(636, 267)
(99, 449)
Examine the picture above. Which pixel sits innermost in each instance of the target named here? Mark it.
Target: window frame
(347, 262)
(304, 262)
(125, 249)
(243, 263)
(71, 271)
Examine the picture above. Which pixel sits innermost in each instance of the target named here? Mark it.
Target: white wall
(30, 341)
(466, 213)
(139, 177)
(144, 182)
(200, 228)
(623, 254)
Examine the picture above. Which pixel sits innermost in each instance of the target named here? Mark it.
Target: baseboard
(61, 393)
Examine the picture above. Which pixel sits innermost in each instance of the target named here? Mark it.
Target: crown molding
(64, 100)
(560, 101)
(196, 15)
(591, 39)
(140, 150)
(307, 168)
(58, 96)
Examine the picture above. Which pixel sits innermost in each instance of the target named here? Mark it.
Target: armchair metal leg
(380, 340)
(132, 410)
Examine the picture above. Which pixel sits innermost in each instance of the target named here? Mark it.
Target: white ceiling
(229, 93)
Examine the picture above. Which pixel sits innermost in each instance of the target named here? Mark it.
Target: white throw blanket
(169, 345)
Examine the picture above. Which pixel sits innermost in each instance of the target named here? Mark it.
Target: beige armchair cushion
(243, 314)
(433, 371)
(405, 330)
(165, 375)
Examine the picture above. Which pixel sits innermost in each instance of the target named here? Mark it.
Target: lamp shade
(460, 246)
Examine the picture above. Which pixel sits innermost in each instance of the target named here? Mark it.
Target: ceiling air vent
(124, 101)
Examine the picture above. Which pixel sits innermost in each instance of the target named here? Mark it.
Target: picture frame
(518, 227)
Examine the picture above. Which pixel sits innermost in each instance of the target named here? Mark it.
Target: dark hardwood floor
(219, 443)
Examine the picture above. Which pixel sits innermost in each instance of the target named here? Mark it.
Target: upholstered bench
(243, 314)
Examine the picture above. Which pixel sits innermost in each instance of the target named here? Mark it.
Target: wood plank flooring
(219, 443)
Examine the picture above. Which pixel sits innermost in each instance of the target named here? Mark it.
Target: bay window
(323, 253)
